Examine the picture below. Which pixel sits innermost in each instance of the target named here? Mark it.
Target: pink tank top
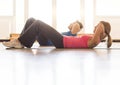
(76, 41)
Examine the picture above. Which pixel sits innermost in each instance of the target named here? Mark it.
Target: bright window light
(107, 7)
(6, 7)
(19, 15)
(41, 9)
(89, 16)
(67, 11)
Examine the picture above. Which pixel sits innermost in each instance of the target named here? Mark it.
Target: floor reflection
(50, 66)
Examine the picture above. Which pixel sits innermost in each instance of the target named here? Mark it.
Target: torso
(77, 41)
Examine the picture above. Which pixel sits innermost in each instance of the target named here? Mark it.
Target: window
(41, 9)
(107, 7)
(89, 18)
(67, 11)
(19, 15)
(6, 7)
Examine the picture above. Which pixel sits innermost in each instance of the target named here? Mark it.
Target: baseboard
(113, 40)
(116, 40)
(2, 40)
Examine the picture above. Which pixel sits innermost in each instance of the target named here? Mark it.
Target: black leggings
(42, 41)
(40, 31)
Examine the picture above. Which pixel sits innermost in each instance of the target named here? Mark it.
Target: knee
(37, 22)
(31, 19)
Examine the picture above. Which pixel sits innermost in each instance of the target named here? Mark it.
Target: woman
(44, 32)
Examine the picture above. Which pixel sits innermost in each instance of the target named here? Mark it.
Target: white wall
(7, 19)
(6, 25)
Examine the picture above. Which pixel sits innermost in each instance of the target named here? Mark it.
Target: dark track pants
(40, 31)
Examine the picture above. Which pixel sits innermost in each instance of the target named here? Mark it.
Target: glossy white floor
(50, 66)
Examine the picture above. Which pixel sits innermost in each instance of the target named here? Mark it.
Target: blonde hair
(107, 28)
